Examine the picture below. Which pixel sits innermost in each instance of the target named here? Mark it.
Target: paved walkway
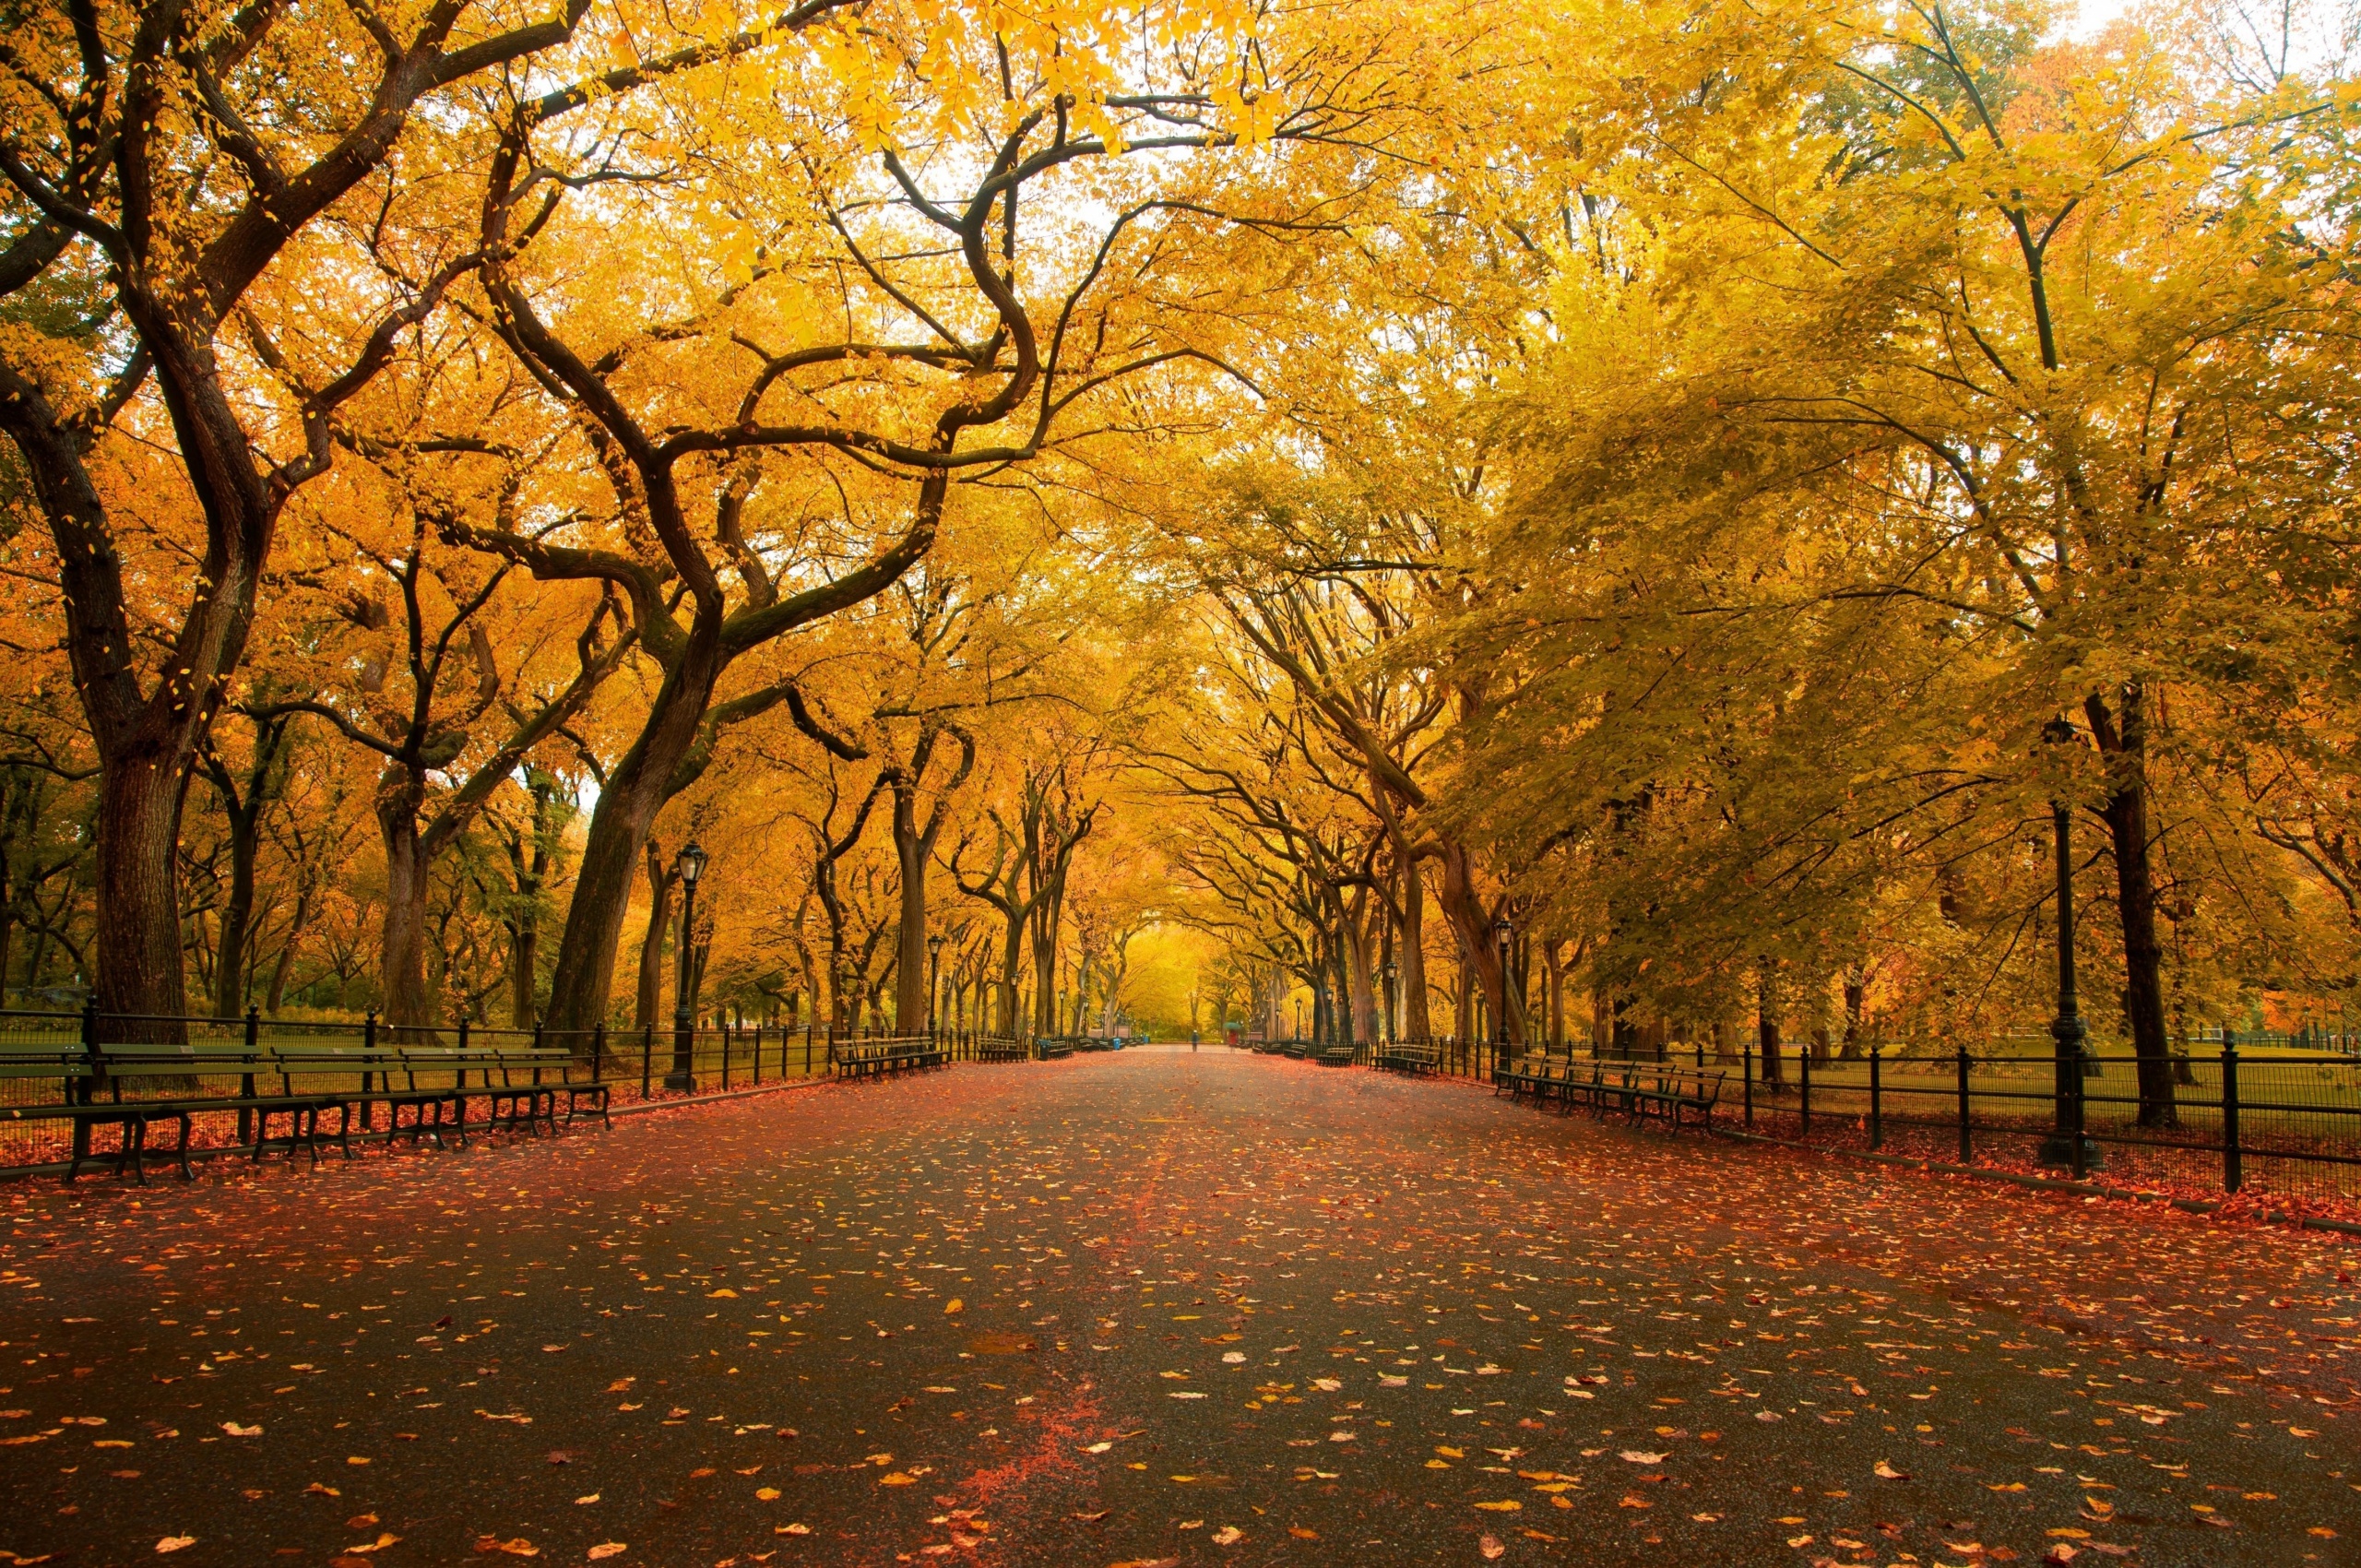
(1158, 1307)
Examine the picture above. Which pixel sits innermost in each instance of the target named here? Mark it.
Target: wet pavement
(1159, 1307)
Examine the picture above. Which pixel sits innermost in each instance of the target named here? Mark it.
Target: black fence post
(599, 1051)
(724, 1032)
(646, 1055)
(1966, 1150)
(758, 1054)
(1876, 1102)
(1745, 1074)
(246, 1079)
(1803, 1086)
(2233, 1164)
(368, 1048)
(97, 1066)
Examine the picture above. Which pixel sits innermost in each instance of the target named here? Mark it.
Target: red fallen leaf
(559, 1457)
(443, 1321)
(1092, 1518)
(519, 1547)
(1887, 1472)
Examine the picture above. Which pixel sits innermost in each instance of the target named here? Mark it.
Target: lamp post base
(2058, 1149)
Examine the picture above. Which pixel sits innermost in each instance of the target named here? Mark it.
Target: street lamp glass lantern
(1502, 933)
(934, 945)
(690, 863)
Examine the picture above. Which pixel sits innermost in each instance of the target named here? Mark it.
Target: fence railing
(2229, 1119)
(2248, 1112)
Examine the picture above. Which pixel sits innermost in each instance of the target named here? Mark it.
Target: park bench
(1052, 1048)
(1335, 1056)
(1411, 1056)
(1002, 1050)
(1539, 1075)
(879, 1057)
(1674, 1092)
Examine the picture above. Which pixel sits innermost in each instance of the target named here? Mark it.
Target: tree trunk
(912, 851)
(1766, 1025)
(650, 999)
(635, 792)
(2124, 746)
(524, 959)
(237, 915)
(402, 964)
(1855, 989)
(286, 960)
(137, 938)
(1466, 912)
(1415, 1022)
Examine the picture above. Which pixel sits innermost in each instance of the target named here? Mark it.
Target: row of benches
(519, 1088)
(1637, 1089)
(1303, 1050)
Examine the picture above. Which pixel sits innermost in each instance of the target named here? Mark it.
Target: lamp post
(690, 865)
(1388, 972)
(2066, 1145)
(1504, 935)
(933, 980)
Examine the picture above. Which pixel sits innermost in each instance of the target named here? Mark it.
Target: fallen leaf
(1301, 1534)
(1634, 1456)
(1228, 1535)
(1887, 1472)
(896, 1477)
(952, 1307)
(766, 1493)
(1490, 1547)
(234, 1430)
(1096, 1447)
(1506, 1505)
(518, 1547)
(172, 1543)
(607, 1548)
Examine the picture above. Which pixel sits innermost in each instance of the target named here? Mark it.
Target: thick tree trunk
(523, 960)
(2124, 746)
(635, 792)
(408, 1004)
(1466, 912)
(136, 939)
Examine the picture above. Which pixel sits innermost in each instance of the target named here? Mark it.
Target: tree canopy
(1620, 519)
